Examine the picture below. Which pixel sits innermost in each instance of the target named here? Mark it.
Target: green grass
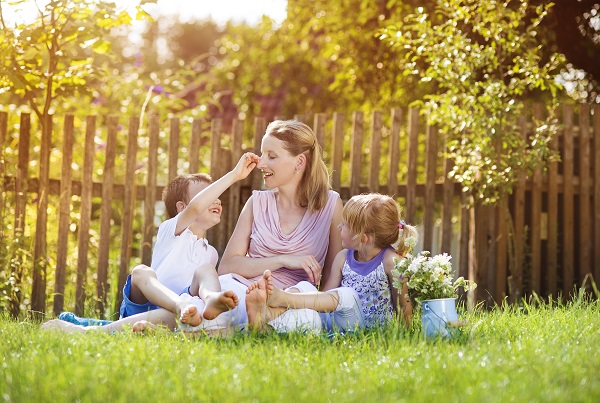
(540, 353)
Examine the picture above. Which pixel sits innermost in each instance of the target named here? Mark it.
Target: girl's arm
(335, 244)
(398, 299)
(234, 258)
(335, 275)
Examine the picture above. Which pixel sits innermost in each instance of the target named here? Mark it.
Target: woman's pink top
(310, 237)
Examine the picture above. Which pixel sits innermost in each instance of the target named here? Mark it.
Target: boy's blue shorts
(129, 308)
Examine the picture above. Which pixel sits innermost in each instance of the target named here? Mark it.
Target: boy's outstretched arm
(208, 195)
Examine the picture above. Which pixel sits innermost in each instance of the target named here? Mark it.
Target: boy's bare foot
(142, 326)
(188, 313)
(219, 302)
(258, 294)
(62, 326)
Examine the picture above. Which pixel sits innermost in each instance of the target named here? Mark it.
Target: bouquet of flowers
(428, 277)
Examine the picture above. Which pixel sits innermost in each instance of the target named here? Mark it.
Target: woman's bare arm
(335, 241)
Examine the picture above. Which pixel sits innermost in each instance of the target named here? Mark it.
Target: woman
(290, 228)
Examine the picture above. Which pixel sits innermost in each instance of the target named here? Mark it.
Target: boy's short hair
(177, 190)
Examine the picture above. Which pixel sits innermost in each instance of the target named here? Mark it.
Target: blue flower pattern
(374, 292)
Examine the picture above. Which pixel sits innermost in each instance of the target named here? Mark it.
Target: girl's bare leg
(265, 302)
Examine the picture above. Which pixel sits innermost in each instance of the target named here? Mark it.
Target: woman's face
(277, 165)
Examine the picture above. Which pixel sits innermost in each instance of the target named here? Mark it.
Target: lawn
(534, 352)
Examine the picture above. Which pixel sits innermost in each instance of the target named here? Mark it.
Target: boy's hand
(245, 165)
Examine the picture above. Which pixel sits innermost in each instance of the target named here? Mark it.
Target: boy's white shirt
(176, 257)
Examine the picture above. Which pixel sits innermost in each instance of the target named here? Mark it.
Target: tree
(484, 59)
(52, 56)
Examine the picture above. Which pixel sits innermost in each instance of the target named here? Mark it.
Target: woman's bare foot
(142, 326)
(62, 326)
(219, 302)
(188, 313)
(257, 296)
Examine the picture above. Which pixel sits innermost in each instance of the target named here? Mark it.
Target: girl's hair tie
(401, 224)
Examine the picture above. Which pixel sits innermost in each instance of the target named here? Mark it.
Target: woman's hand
(307, 263)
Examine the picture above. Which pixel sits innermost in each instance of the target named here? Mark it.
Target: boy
(183, 263)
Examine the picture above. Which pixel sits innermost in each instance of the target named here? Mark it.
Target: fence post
(411, 158)
(596, 207)
(129, 199)
(430, 177)
(356, 154)
(585, 227)
(38, 287)
(552, 249)
(64, 214)
(394, 152)
(173, 149)
(376, 126)
(108, 180)
(85, 214)
(536, 218)
(150, 199)
(337, 151)
(568, 201)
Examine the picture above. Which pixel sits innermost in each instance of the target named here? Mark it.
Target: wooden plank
(3, 136)
(394, 152)
(585, 224)
(22, 173)
(173, 148)
(319, 122)
(463, 237)
(431, 151)
(356, 154)
(128, 208)
(501, 249)
(150, 200)
(234, 191)
(447, 213)
(596, 208)
(21, 180)
(337, 152)
(221, 232)
(552, 249)
(108, 179)
(260, 125)
(516, 278)
(375, 154)
(536, 219)
(83, 236)
(64, 214)
(38, 287)
(195, 145)
(214, 234)
(412, 158)
(568, 202)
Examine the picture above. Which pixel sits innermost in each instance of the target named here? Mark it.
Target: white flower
(428, 277)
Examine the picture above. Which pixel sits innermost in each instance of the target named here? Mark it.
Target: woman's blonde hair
(298, 139)
(379, 216)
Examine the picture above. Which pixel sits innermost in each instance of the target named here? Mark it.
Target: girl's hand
(307, 263)
(245, 165)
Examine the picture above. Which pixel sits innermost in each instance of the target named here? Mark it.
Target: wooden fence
(544, 238)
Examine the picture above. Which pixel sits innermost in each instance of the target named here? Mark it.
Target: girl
(373, 236)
